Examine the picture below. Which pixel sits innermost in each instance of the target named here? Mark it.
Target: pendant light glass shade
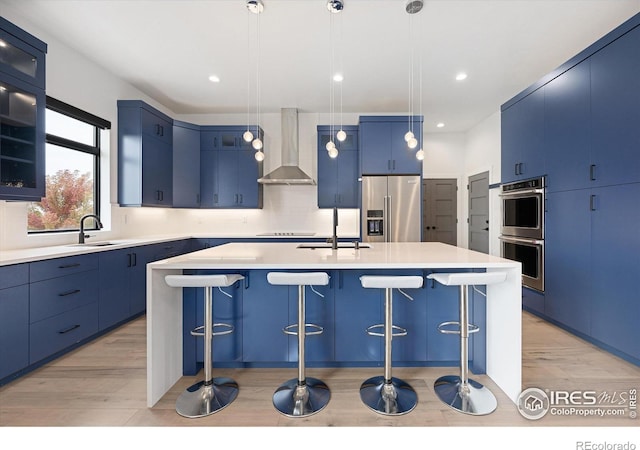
(412, 143)
(257, 143)
(420, 155)
(259, 155)
(341, 135)
(330, 146)
(247, 136)
(408, 136)
(333, 153)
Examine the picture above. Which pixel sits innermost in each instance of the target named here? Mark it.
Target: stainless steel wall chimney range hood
(288, 172)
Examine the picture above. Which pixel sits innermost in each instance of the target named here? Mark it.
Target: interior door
(439, 210)
(479, 212)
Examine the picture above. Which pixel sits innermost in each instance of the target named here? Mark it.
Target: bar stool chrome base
(203, 399)
(391, 399)
(473, 399)
(300, 400)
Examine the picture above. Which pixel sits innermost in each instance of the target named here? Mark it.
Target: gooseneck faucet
(334, 238)
(81, 236)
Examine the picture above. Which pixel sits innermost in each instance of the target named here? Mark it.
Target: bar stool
(461, 392)
(386, 394)
(211, 394)
(302, 396)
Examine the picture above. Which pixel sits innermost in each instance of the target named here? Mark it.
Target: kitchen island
(499, 352)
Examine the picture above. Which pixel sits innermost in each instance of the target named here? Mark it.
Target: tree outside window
(72, 157)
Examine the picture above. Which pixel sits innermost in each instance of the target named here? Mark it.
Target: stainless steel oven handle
(516, 240)
(522, 193)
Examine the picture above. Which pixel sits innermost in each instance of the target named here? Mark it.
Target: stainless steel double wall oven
(522, 232)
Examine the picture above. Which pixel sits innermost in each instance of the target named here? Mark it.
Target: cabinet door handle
(71, 292)
(69, 266)
(129, 260)
(389, 164)
(592, 172)
(71, 328)
(241, 199)
(394, 164)
(592, 202)
(215, 198)
(135, 259)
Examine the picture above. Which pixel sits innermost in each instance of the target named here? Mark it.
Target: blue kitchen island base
(260, 311)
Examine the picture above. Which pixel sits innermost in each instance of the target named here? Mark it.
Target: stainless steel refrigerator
(391, 208)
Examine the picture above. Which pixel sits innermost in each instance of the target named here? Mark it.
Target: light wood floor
(103, 384)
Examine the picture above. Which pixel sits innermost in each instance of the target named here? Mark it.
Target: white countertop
(287, 255)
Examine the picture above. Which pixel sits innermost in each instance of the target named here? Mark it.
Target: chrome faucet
(81, 236)
(334, 238)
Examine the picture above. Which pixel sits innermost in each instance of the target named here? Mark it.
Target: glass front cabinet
(22, 110)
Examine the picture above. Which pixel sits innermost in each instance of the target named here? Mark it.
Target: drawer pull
(69, 266)
(71, 292)
(71, 328)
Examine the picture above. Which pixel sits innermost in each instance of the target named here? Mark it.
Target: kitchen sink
(315, 245)
(95, 244)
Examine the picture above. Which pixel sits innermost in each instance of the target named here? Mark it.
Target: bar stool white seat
(210, 394)
(386, 394)
(301, 396)
(461, 392)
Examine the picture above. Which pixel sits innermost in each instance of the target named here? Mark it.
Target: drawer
(58, 295)
(52, 268)
(14, 275)
(57, 333)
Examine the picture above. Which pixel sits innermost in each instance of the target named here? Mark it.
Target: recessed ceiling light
(214, 79)
(440, 125)
(2, 43)
(338, 77)
(461, 76)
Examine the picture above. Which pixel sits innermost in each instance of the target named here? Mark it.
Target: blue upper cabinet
(229, 171)
(567, 126)
(186, 165)
(383, 149)
(615, 112)
(22, 109)
(338, 177)
(145, 155)
(523, 138)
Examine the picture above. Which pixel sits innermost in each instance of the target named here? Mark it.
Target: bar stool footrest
(400, 331)
(226, 329)
(442, 328)
(293, 329)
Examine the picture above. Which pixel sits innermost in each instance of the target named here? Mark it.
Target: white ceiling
(168, 49)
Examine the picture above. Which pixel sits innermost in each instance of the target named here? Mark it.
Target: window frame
(98, 124)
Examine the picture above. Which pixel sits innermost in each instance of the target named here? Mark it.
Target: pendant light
(248, 135)
(334, 7)
(256, 7)
(412, 7)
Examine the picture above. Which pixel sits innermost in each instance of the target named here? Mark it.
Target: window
(72, 161)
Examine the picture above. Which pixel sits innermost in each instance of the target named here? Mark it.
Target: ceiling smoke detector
(414, 6)
(335, 6)
(255, 6)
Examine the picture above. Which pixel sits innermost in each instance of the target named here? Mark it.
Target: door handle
(486, 229)
(592, 202)
(592, 172)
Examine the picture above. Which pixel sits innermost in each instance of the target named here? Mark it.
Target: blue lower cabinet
(114, 297)
(265, 314)
(356, 310)
(14, 328)
(227, 310)
(443, 306)
(56, 333)
(533, 301)
(615, 268)
(319, 311)
(59, 295)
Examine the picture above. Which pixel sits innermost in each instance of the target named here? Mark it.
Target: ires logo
(573, 398)
(534, 403)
